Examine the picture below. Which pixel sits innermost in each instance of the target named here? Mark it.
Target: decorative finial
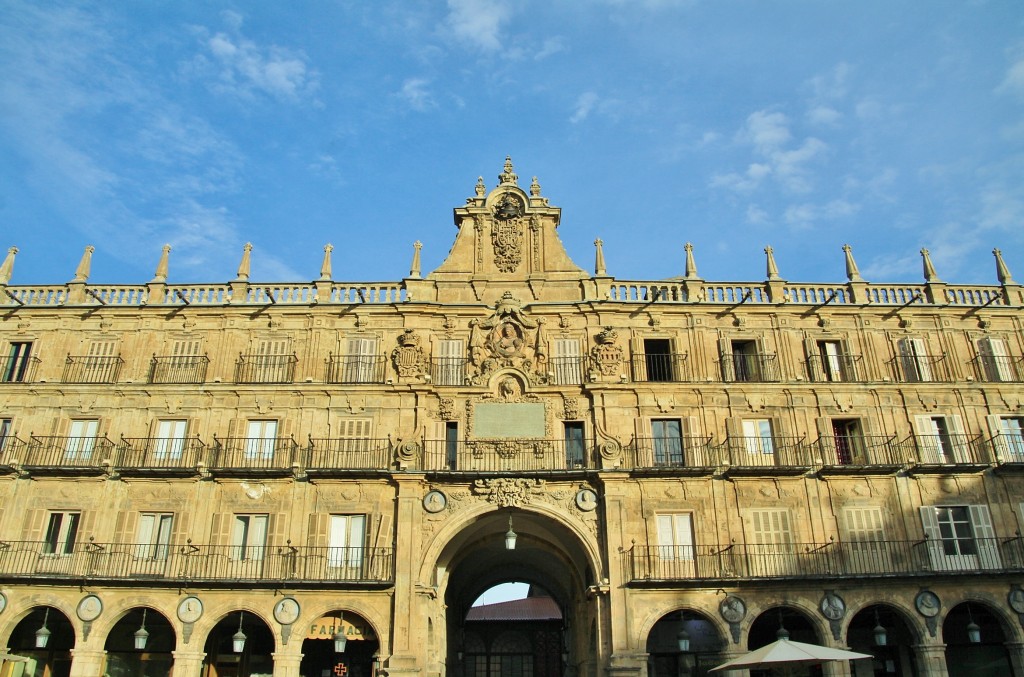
(773, 269)
(82, 272)
(599, 268)
(414, 270)
(160, 275)
(243, 267)
(852, 272)
(929, 270)
(508, 176)
(325, 267)
(691, 264)
(1002, 272)
(8, 266)
(480, 187)
(534, 187)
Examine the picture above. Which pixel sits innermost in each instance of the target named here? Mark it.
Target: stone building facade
(279, 466)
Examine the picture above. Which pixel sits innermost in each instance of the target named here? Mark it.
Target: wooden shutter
(182, 348)
(102, 349)
(319, 528)
(988, 546)
(277, 529)
(771, 527)
(355, 428)
(995, 361)
(87, 525)
(1000, 446)
(863, 524)
(179, 536)
(815, 370)
(125, 526)
(220, 529)
(928, 443)
(34, 524)
(933, 536)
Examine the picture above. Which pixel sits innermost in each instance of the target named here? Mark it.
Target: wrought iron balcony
(841, 367)
(949, 449)
(750, 368)
(834, 559)
(448, 371)
(89, 369)
(921, 369)
(356, 369)
(777, 451)
(191, 563)
(178, 368)
(999, 368)
(161, 453)
(12, 449)
(53, 452)
(1006, 447)
(673, 452)
(567, 370)
(254, 453)
(511, 455)
(265, 368)
(19, 369)
(861, 450)
(660, 368)
(327, 453)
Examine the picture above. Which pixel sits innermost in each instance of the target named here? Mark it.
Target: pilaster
(286, 664)
(407, 632)
(931, 660)
(1015, 650)
(87, 662)
(188, 663)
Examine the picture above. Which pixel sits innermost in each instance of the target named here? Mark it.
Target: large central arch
(553, 551)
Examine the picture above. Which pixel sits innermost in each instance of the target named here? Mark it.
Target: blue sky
(889, 125)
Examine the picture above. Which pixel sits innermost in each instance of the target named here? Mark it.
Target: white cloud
(833, 85)
(552, 45)
(825, 116)
(756, 215)
(415, 93)
(808, 215)
(769, 134)
(1013, 83)
(584, 105)
(766, 131)
(478, 22)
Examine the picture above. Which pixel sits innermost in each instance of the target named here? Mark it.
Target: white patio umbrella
(787, 654)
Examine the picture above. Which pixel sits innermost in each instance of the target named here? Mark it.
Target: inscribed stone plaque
(501, 420)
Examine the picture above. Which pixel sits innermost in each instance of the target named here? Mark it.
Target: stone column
(286, 664)
(1015, 650)
(188, 663)
(408, 629)
(87, 662)
(931, 660)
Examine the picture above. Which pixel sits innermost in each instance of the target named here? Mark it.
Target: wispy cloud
(768, 133)
(416, 95)
(238, 66)
(584, 105)
(1013, 82)
(478, 23)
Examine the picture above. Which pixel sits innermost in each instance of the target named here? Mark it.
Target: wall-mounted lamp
(973, 631)
(510, 536)
(340, 640)
(881, 637)
(43, 633)
(683, 637)
(142, 635)
(238, 639)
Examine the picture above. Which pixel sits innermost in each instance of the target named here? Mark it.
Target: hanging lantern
(973, 631)
(340, 640)
(43, 633)
(238, 639)
(510, 536)
(881, 637)
(141, 635)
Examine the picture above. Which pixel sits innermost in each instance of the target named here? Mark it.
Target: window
(19, 359)
(773, 542)
(667, 436)
(848, 441)
(960, 537)
(675, 536)
(831, 355)
(261, 439)
(346, 541)
(914, 360)
(1011, 432)
(248, 537)
(757, 436)
(451, 444)
(995, 361)
(575, 448)
(82, 438)
(567, 364)
(272, 362)
(61, 532)
(361, 360)
(451, 361)
(864, 538)
(940, 439)
(154, 538)
(746, 366)
(102, 362)
(5, 432)
(170, 439)
(658, 360)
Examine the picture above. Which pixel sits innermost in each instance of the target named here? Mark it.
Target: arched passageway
(883, 632)
(340, 642)
(775, 622)
(140, 645)
(239, 645)
(46, 636)
(975, 642)
(683, 644)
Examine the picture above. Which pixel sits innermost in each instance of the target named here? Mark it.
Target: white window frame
(941, 439)
(995, 360)
(153, 541)
(830, 352)
(568, 362)
(61, 533)
(260, 438)
(346, 547)
(914, 360)
(451, 356)
(668, 447)
(675, 536)
(248, 536)
(360, 359)
(946, 550)
(169, 441)
(81, 440)
(772, 541)
(758, 436)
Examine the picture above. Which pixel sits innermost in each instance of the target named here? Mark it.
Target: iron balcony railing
(254, 453)
(1006, 447)
(837, 450)
(356, 369)
(660, 367)
(163, 453)
(950, 449)
(921, 369)
(750, 368)
(834, 559)
(196, 563)
(511, 455)
(19, 369)
(265, 368)
(567, 370)
(89, 369)
(999, 368)
(842, 367)
(327, 453)
(12, 449)
(685, 451)
(69, 452)
(178, 368)
(448, 371)
(765, 451)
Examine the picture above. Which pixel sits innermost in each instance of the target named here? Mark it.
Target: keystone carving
(507, 492)
(507, 339)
